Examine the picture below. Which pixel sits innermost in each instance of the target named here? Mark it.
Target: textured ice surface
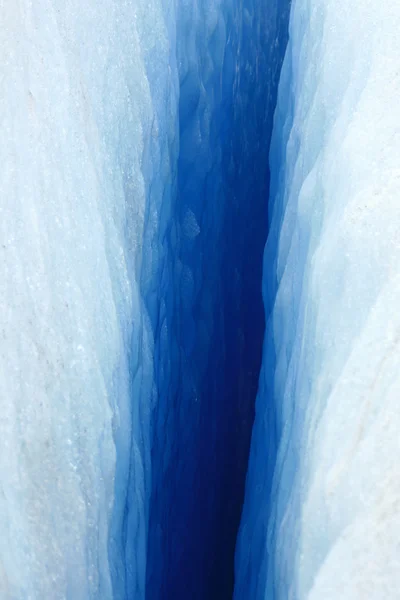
(330, 384)
(85, 144)
(122, 188)
(134, 145)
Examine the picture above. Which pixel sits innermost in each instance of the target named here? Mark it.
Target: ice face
(133, 184)
(84, 141)
(324, 521)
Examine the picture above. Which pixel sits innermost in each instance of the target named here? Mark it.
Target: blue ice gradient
(208, 347)
(133, 215)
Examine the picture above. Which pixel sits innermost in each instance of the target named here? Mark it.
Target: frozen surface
(330, 384)
(132, 157)
(84, 144)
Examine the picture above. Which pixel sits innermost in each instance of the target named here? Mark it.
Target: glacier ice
(228, 55)
(322, 510)
(124, 197)
(85, 165)
(133, 212)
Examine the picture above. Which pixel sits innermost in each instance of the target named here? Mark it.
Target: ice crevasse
(134, 179)
(127, 129)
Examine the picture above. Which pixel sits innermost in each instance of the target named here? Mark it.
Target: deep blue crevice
(212, 320)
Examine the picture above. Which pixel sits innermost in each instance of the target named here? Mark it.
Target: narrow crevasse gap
(209, 338)
(251, 556)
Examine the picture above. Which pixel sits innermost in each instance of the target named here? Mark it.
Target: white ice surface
(332, 284)
(76, 166)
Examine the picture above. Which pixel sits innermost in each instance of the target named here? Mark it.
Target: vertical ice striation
(88, 107)
(324, 520)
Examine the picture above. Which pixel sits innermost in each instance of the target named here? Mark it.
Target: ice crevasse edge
(83, 132)
(323, 521)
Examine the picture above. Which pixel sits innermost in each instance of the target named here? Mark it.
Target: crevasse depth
(228, 63)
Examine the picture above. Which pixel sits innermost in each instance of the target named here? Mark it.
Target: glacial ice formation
(133, 170)
(88, 109)
(133, 213)
(324, 521)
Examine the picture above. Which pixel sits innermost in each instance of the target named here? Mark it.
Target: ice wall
(88, 107)
(324, 521)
